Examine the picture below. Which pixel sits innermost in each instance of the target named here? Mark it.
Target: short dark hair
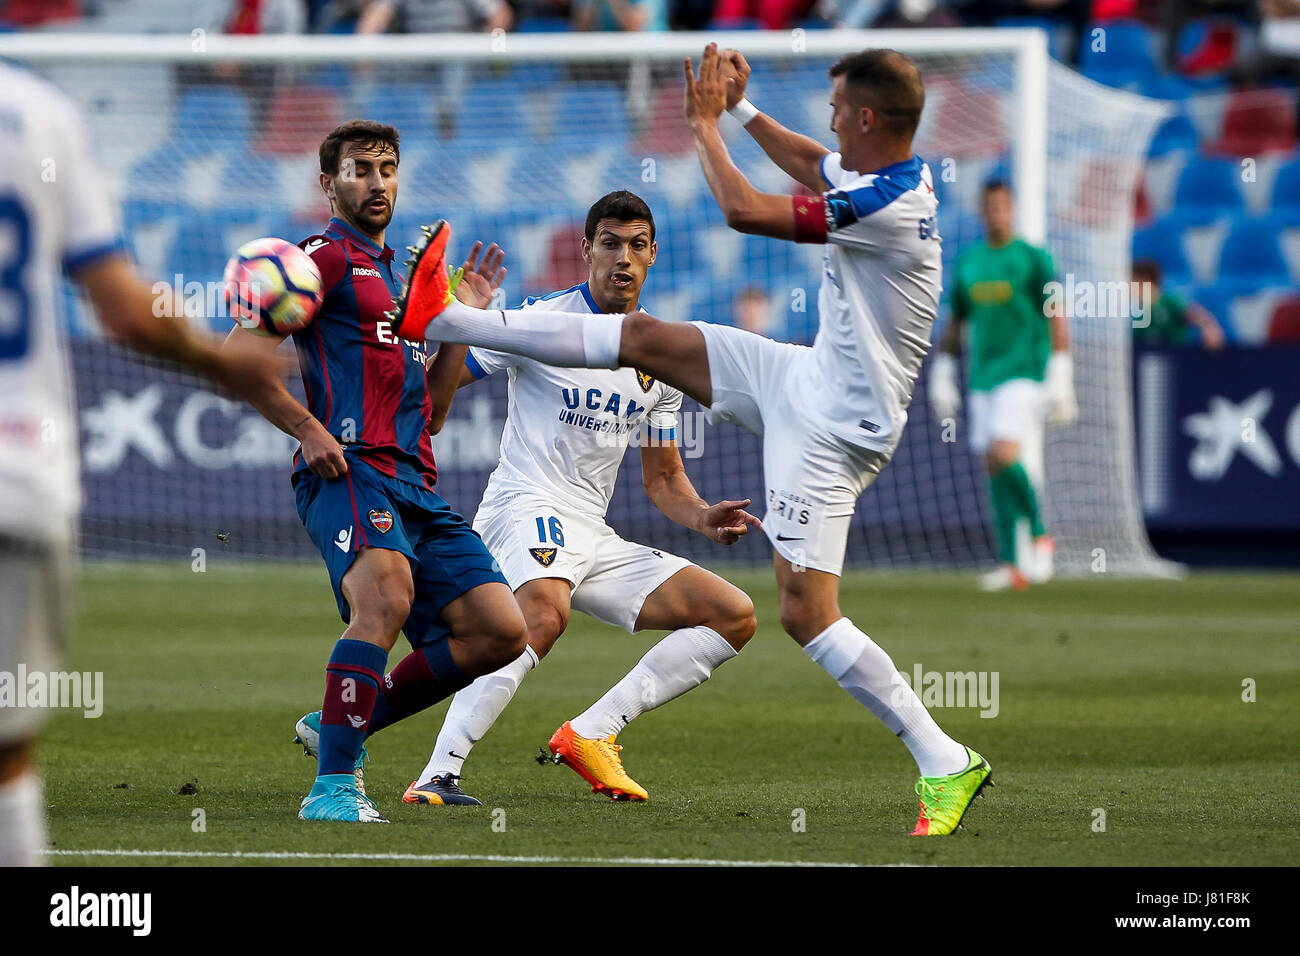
(994, 186)
(368, 133)
(1148, 268)
(889, 83)
(619, 205)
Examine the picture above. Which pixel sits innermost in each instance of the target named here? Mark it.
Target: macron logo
(314, 245)
(364, 271)
(74, 908)
(356, 722)
(343, 540)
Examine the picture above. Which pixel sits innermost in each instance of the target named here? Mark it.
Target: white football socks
(22, 821)
(866, 672)
(567, 339)
(682, 660)
(472, 713)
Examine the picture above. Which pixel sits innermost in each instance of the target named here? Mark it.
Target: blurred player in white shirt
(831, 415)
(543, 518)
(55, 217)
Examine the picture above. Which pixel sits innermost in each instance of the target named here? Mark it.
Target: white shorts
(35, 591)
(813, 479)
(610, 577)
(1013, 411)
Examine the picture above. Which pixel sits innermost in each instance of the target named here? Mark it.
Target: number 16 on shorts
(549, 531)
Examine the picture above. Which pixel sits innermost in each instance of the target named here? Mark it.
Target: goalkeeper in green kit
(1020, 376)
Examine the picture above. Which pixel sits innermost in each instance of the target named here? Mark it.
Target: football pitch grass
(1121, 735)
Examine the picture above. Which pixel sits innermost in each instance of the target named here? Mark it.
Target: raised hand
(736, 72)
(706, 97)
(481, 278)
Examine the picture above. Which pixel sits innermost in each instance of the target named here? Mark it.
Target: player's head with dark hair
(621, 206)
(1147, 270)
(358, 172)
(998, 211)
(878, 90)
(619, 245)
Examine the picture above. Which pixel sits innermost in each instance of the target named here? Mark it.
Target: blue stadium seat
(1163, 243)
(1208, 189)
(1286, 190)
(1127, 59)
(597, 109)
(1251, 258)
(408, 106)
(493, 115)
(211, 119)
(1175, 133)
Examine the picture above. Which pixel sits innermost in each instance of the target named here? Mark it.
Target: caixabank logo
(1219, 437)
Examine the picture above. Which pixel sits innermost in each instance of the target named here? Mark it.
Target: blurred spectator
(772, 14)
(252, 16)
(620, 15)
(435, 16)
(752, 311)
(690, 14)
(1172, 320)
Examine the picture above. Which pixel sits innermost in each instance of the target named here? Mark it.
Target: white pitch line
(448, 858)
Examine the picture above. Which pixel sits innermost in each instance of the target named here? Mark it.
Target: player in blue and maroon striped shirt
(399, 559)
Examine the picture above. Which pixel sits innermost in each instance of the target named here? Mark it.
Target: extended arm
(150, 319)
(275, 403)
(669, 487)
(746, 209)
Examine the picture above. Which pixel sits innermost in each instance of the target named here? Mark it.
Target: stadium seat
(493, 115)
(1251, 258)
(1257, 122)
(408, 106)
(1175, 134)
(599, 109)
(1128, 57)
(300, 117)
(1208, 189)
(1284, 323)
(211, 119)
(1286, 189)
(1163, 243)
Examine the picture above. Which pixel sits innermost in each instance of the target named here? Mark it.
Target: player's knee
(544, 629)
(801, 618)
(505, 639)
(381, 610)
(737, 622)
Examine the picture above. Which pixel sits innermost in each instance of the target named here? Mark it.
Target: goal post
(209, 141)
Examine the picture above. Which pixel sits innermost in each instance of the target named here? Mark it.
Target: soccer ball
(272, 287)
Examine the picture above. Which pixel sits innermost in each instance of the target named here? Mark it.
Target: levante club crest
(382, 520)
(544, 556)
(645, 381)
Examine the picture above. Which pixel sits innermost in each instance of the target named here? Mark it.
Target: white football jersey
(881, 278)
(568, 428)
(54, 215)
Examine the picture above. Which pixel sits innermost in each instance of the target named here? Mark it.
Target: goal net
(210, 142)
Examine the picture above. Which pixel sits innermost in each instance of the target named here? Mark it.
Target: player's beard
(372, 222)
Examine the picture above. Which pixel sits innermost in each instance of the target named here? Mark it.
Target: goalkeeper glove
(1062, 409)
(945, 396)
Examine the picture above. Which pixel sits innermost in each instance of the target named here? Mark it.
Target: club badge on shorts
(543, 556)
(382, 520)
(646, 382)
